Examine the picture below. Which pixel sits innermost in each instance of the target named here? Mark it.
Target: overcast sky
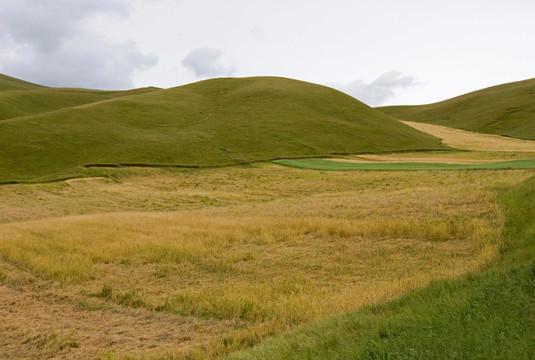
(381, 52)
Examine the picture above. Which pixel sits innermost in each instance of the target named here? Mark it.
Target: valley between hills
(265, 218)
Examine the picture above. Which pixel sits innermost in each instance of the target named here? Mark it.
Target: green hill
(507, 109)
(209, 123)
(10, 83)
(16, 103)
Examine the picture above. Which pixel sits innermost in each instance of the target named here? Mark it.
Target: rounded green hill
(209, 123)
(507, 109)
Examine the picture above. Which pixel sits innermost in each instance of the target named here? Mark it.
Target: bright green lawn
(325, 164)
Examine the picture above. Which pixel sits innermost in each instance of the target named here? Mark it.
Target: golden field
(150, 263)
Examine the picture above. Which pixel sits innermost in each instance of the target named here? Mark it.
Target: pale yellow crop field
(151, 263)
(469, 140)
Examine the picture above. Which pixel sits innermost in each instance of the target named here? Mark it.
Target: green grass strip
(332, 165)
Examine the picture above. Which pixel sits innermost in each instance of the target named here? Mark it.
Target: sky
(381, 52)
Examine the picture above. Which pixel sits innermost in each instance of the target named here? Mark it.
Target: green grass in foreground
(215, 122)
(507, 109)
(325, 164)
(490, 315)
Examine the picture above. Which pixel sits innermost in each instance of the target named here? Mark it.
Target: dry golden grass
(467, 140)
(241, 253)
(55, 325)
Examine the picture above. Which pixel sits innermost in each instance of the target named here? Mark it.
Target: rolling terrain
(210, 123)
(11, 83)
(147, 246)
(230, 256)
(19, 98)
(507, 109)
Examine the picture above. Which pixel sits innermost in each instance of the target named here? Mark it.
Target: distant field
(469, 140)
(507, 109)
(200, 263)
(333, 165)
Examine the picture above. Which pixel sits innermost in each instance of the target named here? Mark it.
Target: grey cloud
(379, 90)
(89, 62)
(204, 62)
(45, 24)
(52, 43)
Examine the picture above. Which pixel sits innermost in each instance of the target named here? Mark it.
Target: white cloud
(377, 91)
(52, 43)
(204, 62)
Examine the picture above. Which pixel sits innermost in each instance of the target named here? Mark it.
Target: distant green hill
(10, 83)
(507, 109)
(210, 123)
(16, 103)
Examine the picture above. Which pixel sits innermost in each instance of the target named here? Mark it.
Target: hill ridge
(214, 122)
(506, 109)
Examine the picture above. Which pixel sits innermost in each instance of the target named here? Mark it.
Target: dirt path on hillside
(47, 326)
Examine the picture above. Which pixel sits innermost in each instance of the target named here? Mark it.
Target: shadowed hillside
(507, 109)
(210, 123)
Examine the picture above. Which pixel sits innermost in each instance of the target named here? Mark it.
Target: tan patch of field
(41, 326)
(467, 140)
(263, 249)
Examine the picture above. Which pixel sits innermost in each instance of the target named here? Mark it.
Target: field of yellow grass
(469, 140)
(150, 263)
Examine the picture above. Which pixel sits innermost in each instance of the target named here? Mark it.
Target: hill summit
(214, 122)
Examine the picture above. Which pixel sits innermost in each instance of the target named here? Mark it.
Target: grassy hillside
(10, 83)
(507, 109)
(16, 103)
(484, 316)
(209, 123)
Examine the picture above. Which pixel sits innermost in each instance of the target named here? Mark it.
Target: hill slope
(16, 103)
(210, 123)
(507, 109)
(10, 83)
